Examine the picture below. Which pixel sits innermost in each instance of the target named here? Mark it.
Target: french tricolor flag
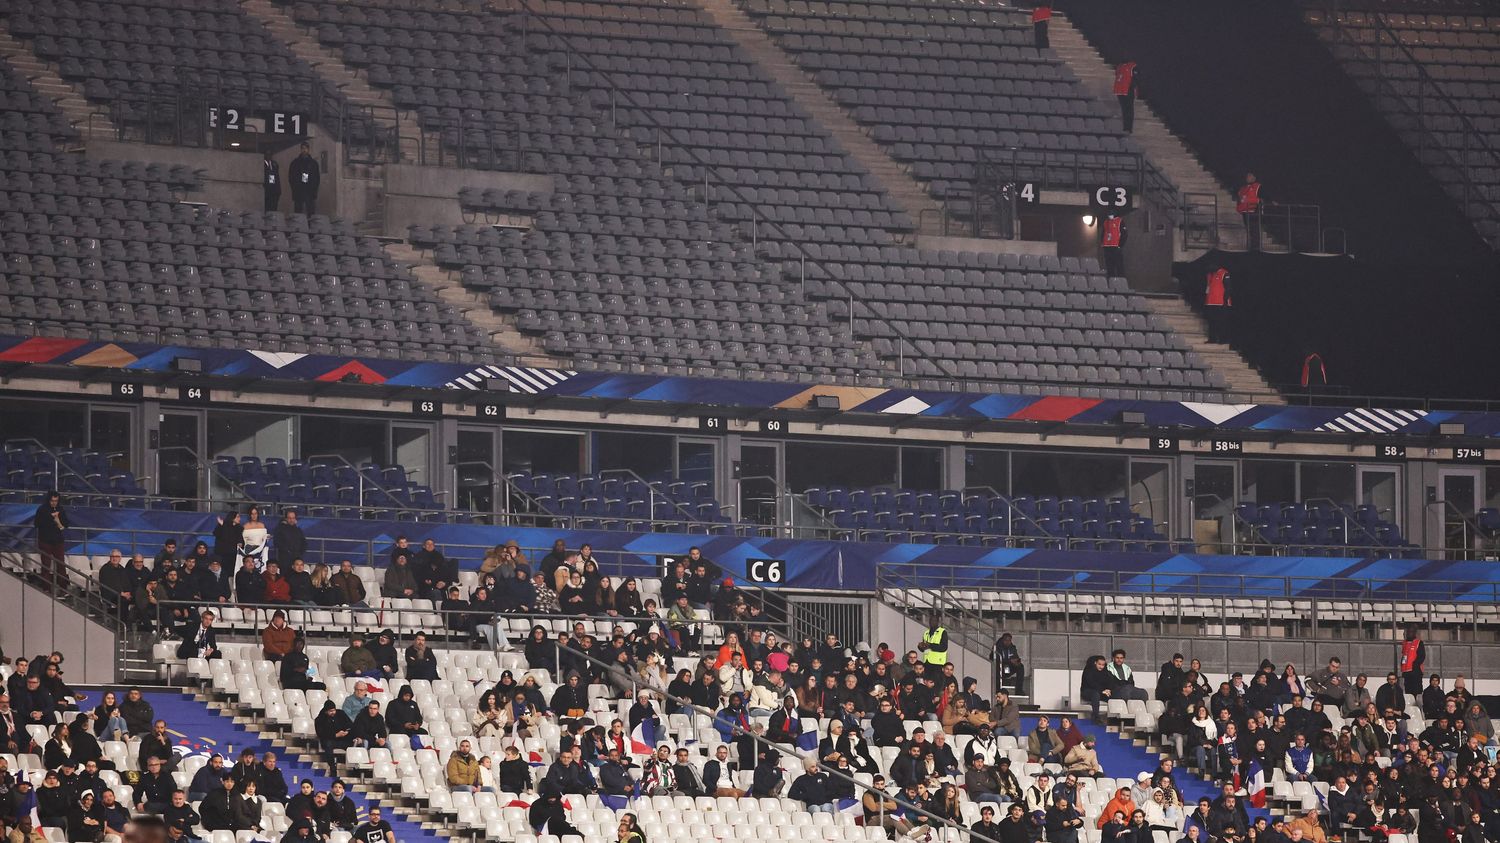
(643, 737)
(1255, 784)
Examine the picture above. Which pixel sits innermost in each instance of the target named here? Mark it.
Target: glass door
(1150, 493)
(474, 480)
(1214, 486)
(1380, 489)
(179, 472)
(760, 483)
(1458, 503)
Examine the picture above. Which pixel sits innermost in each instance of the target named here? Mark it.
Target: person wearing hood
(370, 728)
(515, 593)
(548, 812)
(571, 699)
(84, 825)
(384, 651)
(541, 652)
(357, 660)
(300, 831)
(402, 714)
(297, 672)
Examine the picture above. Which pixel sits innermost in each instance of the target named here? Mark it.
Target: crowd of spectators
(1391, 762)
(93, 796)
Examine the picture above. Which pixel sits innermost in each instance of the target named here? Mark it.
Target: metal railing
(749, 227)
(456, 628)
(331, 551)
(937, 577)
(1433, 103)
(1066, 170)
(1096, 611)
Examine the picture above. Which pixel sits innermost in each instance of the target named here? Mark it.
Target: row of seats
(1436, 88)
(1322, 528)
(620, 503)
(952, 517)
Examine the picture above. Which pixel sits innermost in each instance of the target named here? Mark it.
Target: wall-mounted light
(1088, 220)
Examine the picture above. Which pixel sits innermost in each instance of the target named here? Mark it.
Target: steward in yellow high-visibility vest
(934, 644)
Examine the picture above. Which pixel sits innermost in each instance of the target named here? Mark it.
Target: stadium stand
(1431, 75)
(140, 59)
(108, 249)
(936, 82)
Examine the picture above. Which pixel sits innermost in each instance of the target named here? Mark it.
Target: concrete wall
(989, 246)
(231, 177)
(901, 633)
(31, 622)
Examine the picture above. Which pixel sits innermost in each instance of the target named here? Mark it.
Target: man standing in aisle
(1247, 203)
(1127, 80)
(934, 644)
(305, 176)
(1216, 304)
(272, 182)
(1040, 17)
(1112, 245)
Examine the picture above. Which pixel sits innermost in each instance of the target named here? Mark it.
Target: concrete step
(1236, 372)
(1162, 147)
(904, 191)
(44, 76)
(500, 329)
(330, 66)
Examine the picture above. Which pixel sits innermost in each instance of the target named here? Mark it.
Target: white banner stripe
(1379, 422)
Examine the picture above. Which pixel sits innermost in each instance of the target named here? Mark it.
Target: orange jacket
(1125, 804)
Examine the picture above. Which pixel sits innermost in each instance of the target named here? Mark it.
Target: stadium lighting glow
(1088, 220)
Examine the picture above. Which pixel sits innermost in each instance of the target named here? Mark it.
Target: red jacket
(1042, 12)
(1217, 292)
(1248, 199)
(1110, 232)
(1125, 79)
(277, 589)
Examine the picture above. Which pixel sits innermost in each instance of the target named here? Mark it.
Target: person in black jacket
(299, 583)
(228, 536)
(1095, 687)
(370, 727)
(335, 732)
(50, 522)
(201, 641)
(305, 177)
(114, 583)
(271, 179)
(514, 774)
(421, 662)
(215, 806)
(269, 780)
(402, 714)
(811, 789)
(294, 667)
(288, 542)
(342, 813)
(383, 648)
(84, 825)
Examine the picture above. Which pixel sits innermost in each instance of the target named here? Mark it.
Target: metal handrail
(59, 465)
(690, 707)
(756, 220)
(337, 459)
(1472, 195)
(356, 619)
(213, 470)
(97, 541)
(1183, 583)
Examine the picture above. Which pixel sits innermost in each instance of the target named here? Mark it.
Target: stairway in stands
(203, 728)
(1237, 372)
(1165, 149)
(908, 194)
(44, 76)
(500, 328)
